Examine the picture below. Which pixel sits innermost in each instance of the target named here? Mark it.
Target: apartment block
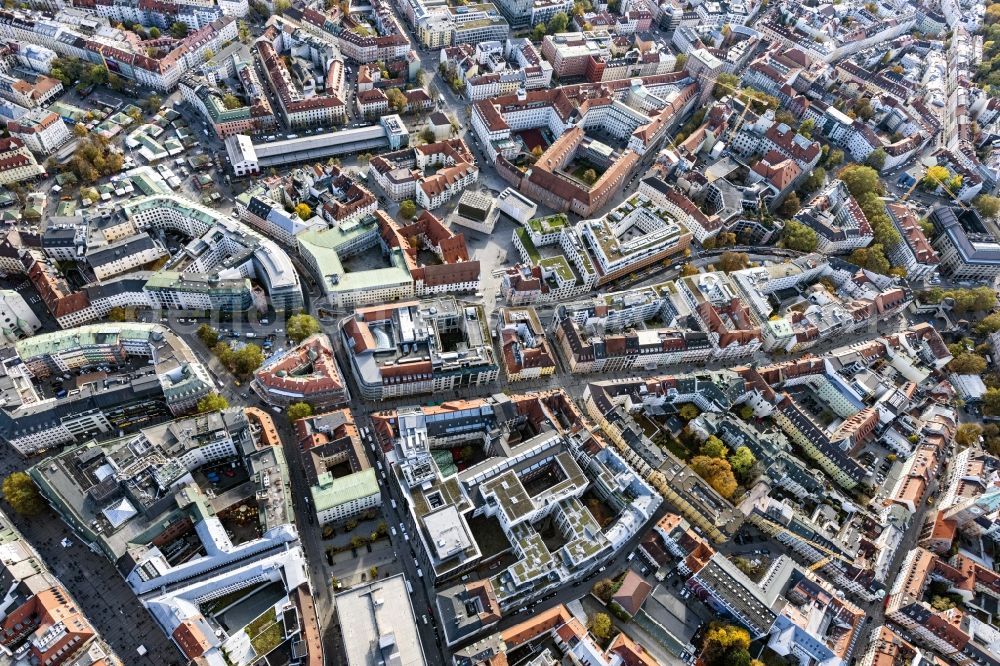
(437, 345)
(305, 373)
(43, 132)
(328, 442)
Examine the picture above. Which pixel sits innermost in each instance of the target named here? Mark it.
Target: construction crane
(910, 191)
(830, 554)
(739, 122)
(822, 563)
(738, 91)
(961, 204)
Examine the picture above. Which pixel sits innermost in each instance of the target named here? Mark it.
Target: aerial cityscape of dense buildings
(535, 332)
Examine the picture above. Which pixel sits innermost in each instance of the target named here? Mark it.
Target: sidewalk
(351, 571)
(364, 530)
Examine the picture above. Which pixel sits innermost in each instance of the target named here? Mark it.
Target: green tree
(22, 494)
(991, 401)
(682, 59)
(558, 23)
(688, 411)
(303, 210)
(427, 135)
(935, 176)
(725, 239)
(991, 436)
(860, 179)
(208, 335)
(797, 236)
(876, 159)
(590, 176)
(784, 117)
(212, 402)
(967, 364)
(986, 204)
(178, 30)
(407, 209)
(790, 206)
(725, 84)
(863, 109)
(538, 34)
(231, 101)
(247, 359)
(97, 75)
(871, 258)
(301, 326)
(733, 261)
(968, 434)
(835, 158)
(882, 227)
(58, 73)
(739, 657)
(153, 103)
(742, 461)
(154, 33)
(282, 6)
(988, 324)
(807, 127)
(604, 589)
(717, 472)
(973, 300)
(299, 410)
(942, 603)
(600, 626)
(815, 181)
(727, 645)
(224, 353)
(397, 100)
(713, 448)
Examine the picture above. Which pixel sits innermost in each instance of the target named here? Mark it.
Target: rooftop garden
(220, 604)
(529, 246)
(559, 266)
(265, 632)
(546, 225)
